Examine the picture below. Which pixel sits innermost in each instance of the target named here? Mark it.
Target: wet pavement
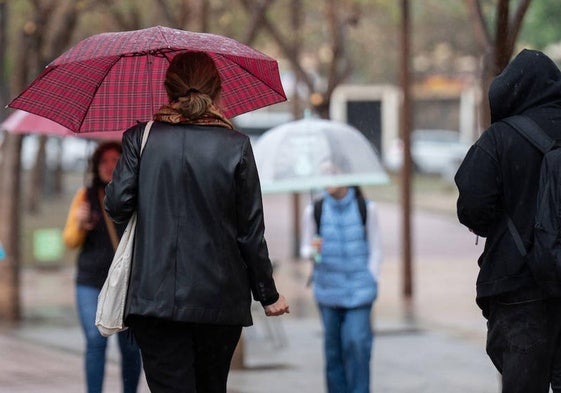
(435, 345)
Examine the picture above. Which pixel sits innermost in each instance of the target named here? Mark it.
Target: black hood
(530, 80)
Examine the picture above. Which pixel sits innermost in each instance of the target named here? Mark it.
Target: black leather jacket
(199, 246)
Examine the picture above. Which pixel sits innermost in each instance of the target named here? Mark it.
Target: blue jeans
(347, 346)
(524, 341)
(96, 344)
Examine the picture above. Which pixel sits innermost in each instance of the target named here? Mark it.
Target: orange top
(73, 235)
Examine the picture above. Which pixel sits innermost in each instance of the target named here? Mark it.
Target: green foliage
(542, 24)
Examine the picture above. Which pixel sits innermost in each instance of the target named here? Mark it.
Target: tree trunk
(37, 178)
(58, 172)
(497, 47)
(407, 289)
(487, 76)
(10, 310)
(296, 24)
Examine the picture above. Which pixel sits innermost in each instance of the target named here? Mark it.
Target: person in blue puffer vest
(343, 240)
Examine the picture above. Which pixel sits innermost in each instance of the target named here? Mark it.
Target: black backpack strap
(362, 209)
(318, 205)
(532, 132)
(516, 236)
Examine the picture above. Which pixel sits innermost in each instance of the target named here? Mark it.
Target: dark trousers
(184, 357)
(524, 340)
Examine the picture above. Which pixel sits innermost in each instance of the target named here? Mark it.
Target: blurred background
(411, 76)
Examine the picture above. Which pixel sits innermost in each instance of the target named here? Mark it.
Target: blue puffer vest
(342, 278)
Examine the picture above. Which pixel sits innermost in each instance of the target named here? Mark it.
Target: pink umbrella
(22, 122)
(110, 81)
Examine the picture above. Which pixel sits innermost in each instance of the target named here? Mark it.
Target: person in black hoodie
(499, 179)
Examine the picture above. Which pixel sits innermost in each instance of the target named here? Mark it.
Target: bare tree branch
(179, 17)
(130, 20)
(168, 15)
(259, 15)
(501, 35)
(290, 52)
(516, 23)
(63, 34)
(339, 68)
(482, 34)
(204, 15)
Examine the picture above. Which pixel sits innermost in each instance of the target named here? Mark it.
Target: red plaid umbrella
(109, 81)
(22, 122)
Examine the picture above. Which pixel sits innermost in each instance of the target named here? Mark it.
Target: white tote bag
(109, 317)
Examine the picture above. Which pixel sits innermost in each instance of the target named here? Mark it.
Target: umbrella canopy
(109, 81)
(311, 154)
(22, 122)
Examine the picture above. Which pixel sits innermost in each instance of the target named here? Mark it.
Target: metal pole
(405, 127)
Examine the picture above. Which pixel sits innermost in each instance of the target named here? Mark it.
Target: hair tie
(191, 90)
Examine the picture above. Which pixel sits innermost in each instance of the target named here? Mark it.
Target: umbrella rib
(164, 38)
(281, 93)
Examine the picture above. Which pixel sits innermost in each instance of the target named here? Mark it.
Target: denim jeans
(348, 341)
(96, 344)
(524, 341)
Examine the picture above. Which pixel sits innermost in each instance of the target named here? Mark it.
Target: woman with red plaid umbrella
(199, 250)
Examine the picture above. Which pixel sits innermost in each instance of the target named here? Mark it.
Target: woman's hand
(277, 308)
(83, 215)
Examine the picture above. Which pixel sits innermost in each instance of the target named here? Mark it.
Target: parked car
(437, 152)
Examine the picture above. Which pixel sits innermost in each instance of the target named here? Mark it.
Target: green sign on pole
(47, 245)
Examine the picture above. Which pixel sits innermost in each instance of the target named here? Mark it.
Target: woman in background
(89, 228)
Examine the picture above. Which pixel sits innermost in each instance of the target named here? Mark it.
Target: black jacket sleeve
(479, 184)
(121, 192)
(251, 228)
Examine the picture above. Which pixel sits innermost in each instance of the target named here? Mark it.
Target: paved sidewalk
(48, 359)
(440, 348)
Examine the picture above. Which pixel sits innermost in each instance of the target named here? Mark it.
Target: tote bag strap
(145, 135)
(108, 222)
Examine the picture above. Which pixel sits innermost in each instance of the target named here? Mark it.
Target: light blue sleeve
(307, 231)
(374, 240)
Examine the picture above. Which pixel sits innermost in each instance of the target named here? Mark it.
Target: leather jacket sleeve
(478, 181)
(251, 228)
(121, 192)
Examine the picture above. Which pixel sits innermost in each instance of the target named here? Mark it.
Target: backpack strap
(362, 209)
(318, 205)
(532, 132)
(516, 236)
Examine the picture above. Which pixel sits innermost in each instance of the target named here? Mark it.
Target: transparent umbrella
(310, 154)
